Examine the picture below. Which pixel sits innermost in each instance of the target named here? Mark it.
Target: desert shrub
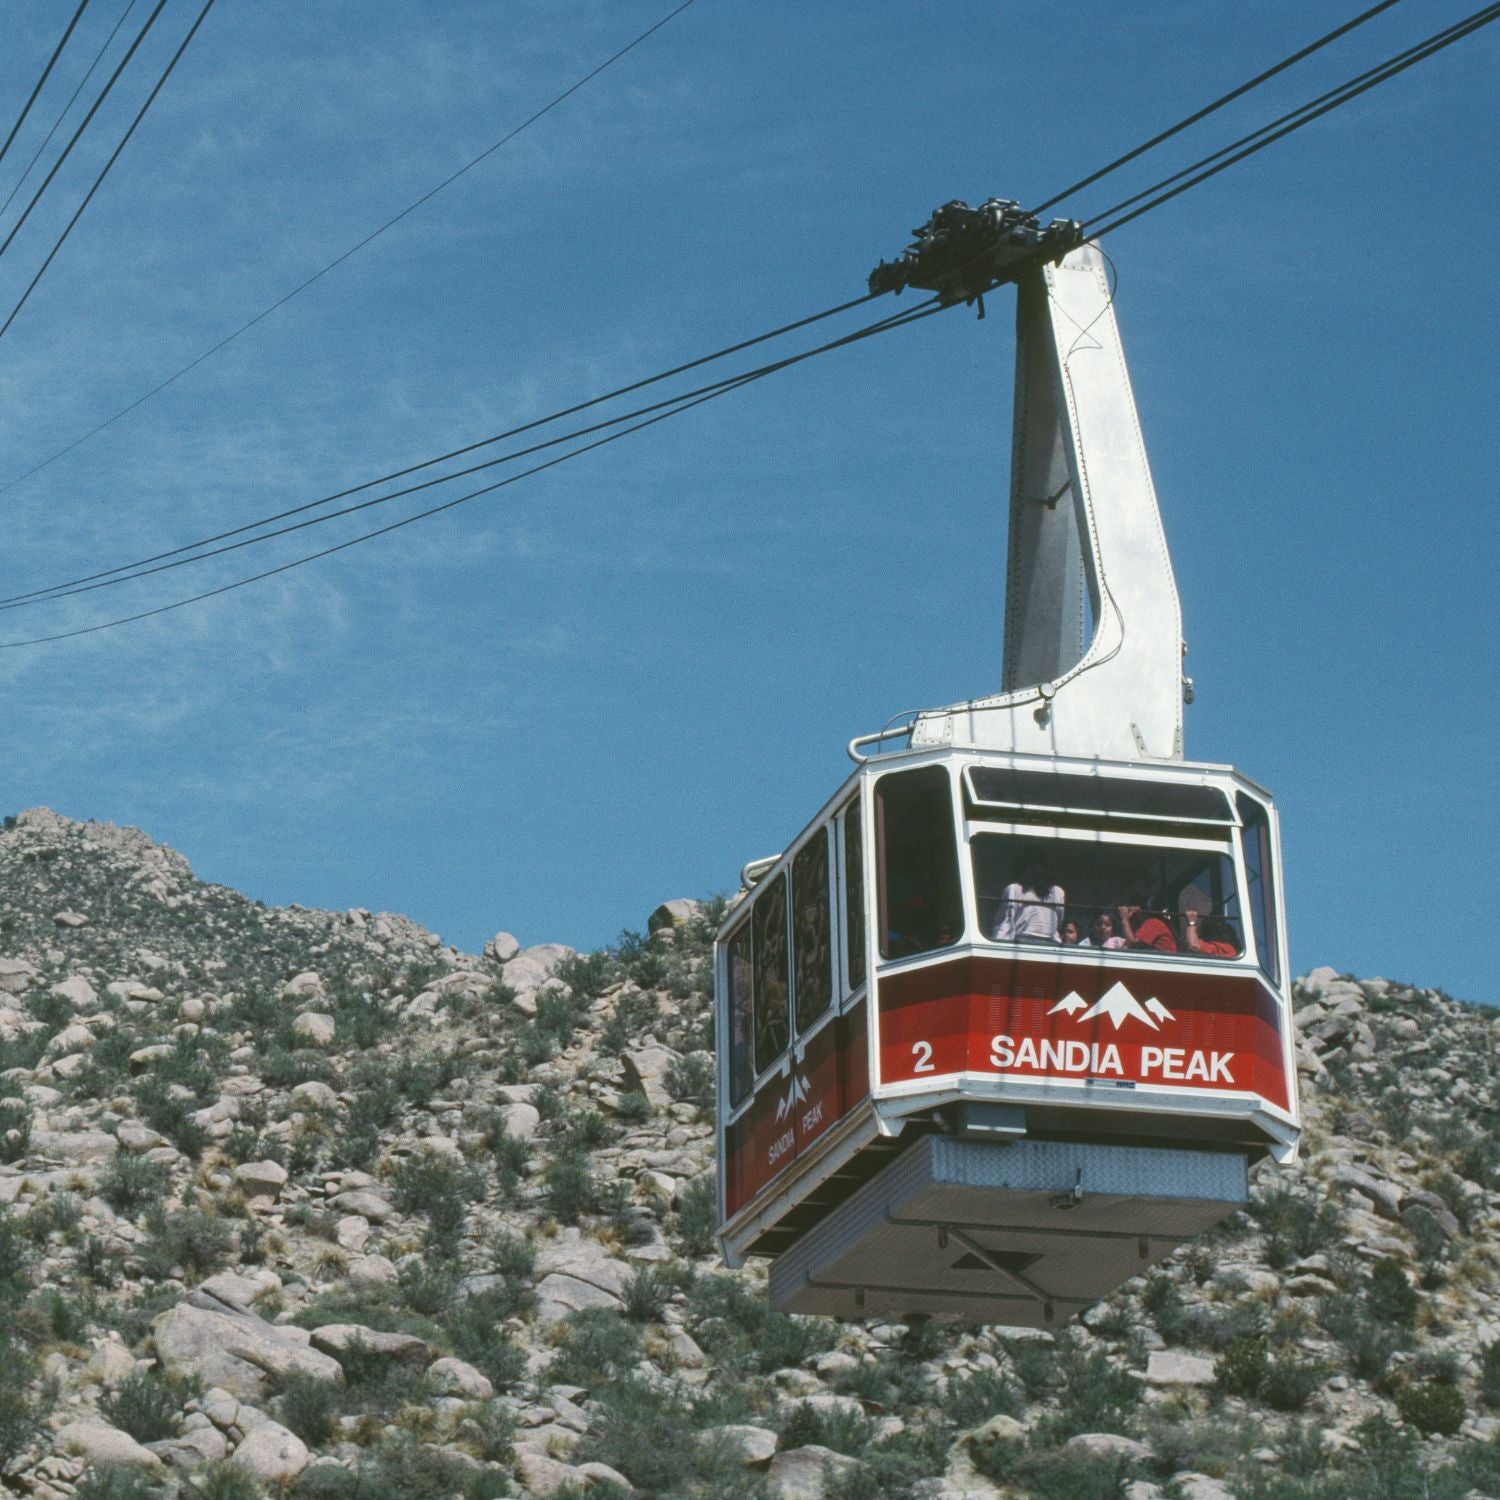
(223, 1481)
(63, 1316)
(1162, 1298)
(973, 1399)
(698, 1216)
(57, 1213)
(1095, 1395)
(1489, 1374)
(147, 1405)
(197, 1242)
(691, 1079)
(1035, 1366)
(1242, 1367)
(15, 1259)
(15, 1128)
(1059, 1475)
(170, 1114)
(475, 1335)
(587, 975)
(633, 1108)
(745, 1334)
(1391, 1297)
(1291, 1382)
(571, 1189)
(512, 1256)
(647, 1292)
(1295, 1226)
(428, 1286)
(309, 1406)
(597, 1346)
(131, 1182)
(1369, 1344)
(842, 1429)
(440, 1191)
(19, 1418)
(116, 1484)
(1432, 1407)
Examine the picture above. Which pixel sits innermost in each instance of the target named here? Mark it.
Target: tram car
(1009, 1020)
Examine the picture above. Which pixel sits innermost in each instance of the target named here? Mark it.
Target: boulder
(272, 1453)
(366, 1204)
(69, 918)
(672, 914)
(1106, 1445)
(313, 1096)
(646, 1073)
(545, 1476)
(352, 1233)
(373, 1270)
(304, 986)
(753, 1446)
(798, 1473)
(75, 1146)
(76, 990)
(16, 976)
(452, 1377)
(502, 947)
(314, 1026)
(400, 1348)
(521, 1120)
(260, 1179)
(96, 1442)
(228, 1346)
(1386, 1196)
(1168, 1367)
(531, 968)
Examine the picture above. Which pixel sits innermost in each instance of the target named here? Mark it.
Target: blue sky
(614, 683)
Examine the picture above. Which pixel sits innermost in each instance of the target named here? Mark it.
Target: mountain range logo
(801, 1087)
(1118, 1004)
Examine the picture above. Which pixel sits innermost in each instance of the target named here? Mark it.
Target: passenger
(1069, 935)
(1143, 928)
(1210, 935)
(1103, 932)
(1032, 906)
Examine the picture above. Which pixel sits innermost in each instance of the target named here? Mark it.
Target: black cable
(352, 250)
(93, 110)
(62, 114)
(1352, 90)
(1292, 114)
(624, 390)
(1218, 104)
(683, 398)
(46, 73)
(912, 316)
(114, 157)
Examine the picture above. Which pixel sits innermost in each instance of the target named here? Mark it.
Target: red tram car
(1009, 1020)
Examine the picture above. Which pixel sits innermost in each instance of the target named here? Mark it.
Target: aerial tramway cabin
(1009, 1020)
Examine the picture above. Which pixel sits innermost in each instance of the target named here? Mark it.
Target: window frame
(764, 905)
(879, 865)
(821, 894)
(1265, 911)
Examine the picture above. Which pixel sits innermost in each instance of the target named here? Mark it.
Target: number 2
(922, 1052)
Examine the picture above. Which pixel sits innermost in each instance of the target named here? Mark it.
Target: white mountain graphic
(1072, 1003)
(801, 1087)
(1120, 1006)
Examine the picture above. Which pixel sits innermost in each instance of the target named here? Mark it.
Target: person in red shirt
(1145, 929)
(1211, 936)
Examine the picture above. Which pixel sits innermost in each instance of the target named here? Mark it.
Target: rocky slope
(307, 1203)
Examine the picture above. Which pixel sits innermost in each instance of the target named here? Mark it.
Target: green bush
(15, 1260)
(309, 1406)
(973, 1399)
(115, 1484)
(1489, 1375)
(571, 1189)
(147, 1405)
(15, 1129)
(690, 1079)
(131, 1183)
(1242, 1368)
(842, 1429)
(698, 1216)
(1096, 1395)
(1432, 1408)
(746, 1336)
(1295, 1226)
(475, 1334)
(597, 1346)
(224, 1481)
(647, 1292)
(634, 1108)
(197, 1242)
(1291, 1382)
(1391, 1297)
(19, 1418)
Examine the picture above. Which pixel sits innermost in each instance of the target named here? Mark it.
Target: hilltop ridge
(309, 1203)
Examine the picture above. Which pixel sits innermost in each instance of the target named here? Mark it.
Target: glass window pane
(854, 877)
(812, 958)
(1260, 895)
(770, 974)
(917, 863)
(741, 1062)
(1074, 893)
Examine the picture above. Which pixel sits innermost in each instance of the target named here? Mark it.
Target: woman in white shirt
(1032, 907)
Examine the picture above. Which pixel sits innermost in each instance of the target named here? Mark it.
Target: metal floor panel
(1025, 1233)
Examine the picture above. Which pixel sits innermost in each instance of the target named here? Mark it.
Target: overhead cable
(684, 399)
(36, 197)
(1315, 109)
(114, 157)
(721, 389)
(354, 249)
(427, 463)
(1218, 104)
(46, 74)
(62, 114)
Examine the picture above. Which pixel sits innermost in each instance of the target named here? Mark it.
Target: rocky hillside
(303, 1203)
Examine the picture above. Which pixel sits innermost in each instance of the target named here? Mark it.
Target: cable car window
(920, 908)
(1116, 796)
(1260, 894)
(812, 956)
(854, 892)
(769, 970)
(1089, 894)
(741, 1063)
